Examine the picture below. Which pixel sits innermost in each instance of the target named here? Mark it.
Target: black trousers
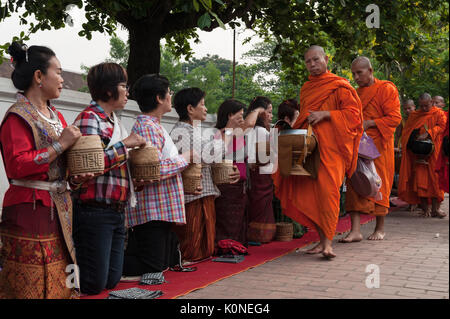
(152, 247)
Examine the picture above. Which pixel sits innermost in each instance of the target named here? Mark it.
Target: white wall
(70, 104)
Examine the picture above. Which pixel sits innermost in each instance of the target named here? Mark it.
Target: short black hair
(230, 106)
(259, 101)
(288, 108)
(26, 61)
(186, 97)
(147, 88)
(103, 79)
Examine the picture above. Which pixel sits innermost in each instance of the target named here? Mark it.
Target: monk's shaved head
(316, 48)
(425, 97)
(439, 101)
(425, 102)
(362, 71)
(408, 107)
(316, 60)
(362, 61)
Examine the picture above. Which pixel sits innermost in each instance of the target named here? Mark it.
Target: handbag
(367, 148)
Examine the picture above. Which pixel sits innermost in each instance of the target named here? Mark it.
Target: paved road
(412, 262)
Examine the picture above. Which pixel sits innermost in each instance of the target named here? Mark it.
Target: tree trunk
(145, 52)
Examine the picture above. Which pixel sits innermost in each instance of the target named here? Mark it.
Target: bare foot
(328, 253)
(316, 249)
(438, 213)
(351, 237)
(377, 235)
(426, 212)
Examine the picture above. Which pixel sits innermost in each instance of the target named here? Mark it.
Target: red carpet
(209, 272)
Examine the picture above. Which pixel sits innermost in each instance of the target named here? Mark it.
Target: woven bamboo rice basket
(285, 231)
(86, 156)
(192, 178)
(145, 164)
(221, 172)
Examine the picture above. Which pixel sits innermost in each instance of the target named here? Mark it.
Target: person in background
(99, 203)
(419, 181)
(261, 218)
(36, 227)
(231, 205)
(288, 112)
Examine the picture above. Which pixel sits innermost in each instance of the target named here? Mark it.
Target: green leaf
(204, 21)
(196, 5)
(218, 20)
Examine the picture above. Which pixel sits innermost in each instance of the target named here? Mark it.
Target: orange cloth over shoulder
(316, 201)
(442, 163)
(421, 180)
(380, 102)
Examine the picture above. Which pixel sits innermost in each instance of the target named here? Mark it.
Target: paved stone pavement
(412, 263)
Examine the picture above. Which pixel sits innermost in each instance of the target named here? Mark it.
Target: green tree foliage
(292, 24)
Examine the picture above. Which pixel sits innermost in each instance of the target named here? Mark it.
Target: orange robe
(442, 163)
(416, 179)
(380, 103)
(311, 201)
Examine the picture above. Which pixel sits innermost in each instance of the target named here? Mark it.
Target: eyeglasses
(125, 86)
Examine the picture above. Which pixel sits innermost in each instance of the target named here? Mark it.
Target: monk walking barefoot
(381, 114)
(355, 234)
(330, 105)
(419, 180)
(379, 233)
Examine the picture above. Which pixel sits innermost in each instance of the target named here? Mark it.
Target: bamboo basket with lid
(144, 163)
(86, 156)
(192, 178)
(221, 172)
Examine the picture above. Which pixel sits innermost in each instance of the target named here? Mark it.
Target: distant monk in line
(332, 107)
(419, 181)
(408, 107)
(381, 114)
(438, 101)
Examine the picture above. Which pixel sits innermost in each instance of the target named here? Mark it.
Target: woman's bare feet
(352, 237)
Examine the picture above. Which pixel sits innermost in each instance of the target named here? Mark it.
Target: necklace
(53, 121)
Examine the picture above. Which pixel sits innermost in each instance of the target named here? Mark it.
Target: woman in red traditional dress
(36, 227)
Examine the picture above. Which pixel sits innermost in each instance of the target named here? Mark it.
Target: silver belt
(55, 187)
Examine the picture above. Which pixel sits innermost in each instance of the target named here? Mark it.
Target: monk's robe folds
(417, 179)
(311, 201)
(380, 102)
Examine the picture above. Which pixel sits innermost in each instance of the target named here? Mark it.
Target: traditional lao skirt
(34, 256)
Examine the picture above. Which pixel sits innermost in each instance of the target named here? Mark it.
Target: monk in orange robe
(332, 107)
(381, 114)
(419, 181)
(438, 101)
